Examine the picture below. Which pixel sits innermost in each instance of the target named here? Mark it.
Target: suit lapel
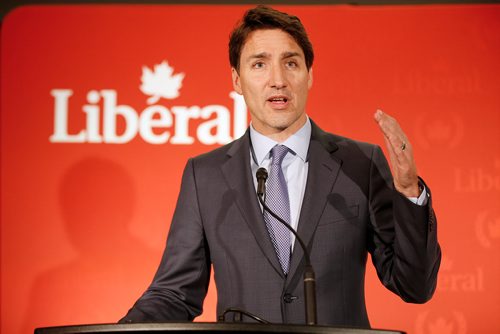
(322, 173)
(238, 175)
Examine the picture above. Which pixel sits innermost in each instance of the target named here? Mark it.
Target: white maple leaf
(160, 82)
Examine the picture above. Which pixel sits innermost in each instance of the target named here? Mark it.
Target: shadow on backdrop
(97, 200)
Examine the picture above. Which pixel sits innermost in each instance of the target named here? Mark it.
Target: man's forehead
(260, 42)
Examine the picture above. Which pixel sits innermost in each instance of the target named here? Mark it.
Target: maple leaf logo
(160, 82)
(439, 130)
(441, 326)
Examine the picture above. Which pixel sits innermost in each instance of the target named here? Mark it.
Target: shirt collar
(298, 143)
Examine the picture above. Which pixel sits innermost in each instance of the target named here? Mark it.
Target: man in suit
(337, 193)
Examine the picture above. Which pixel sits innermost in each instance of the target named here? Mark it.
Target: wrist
(413, 190)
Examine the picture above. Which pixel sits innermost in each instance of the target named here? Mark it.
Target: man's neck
(297, 142)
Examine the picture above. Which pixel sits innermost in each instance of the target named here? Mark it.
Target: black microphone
(261, 181)
(309, 277)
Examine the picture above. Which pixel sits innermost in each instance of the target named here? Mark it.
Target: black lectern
(204, 327)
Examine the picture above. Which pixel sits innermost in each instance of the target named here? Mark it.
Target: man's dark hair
(263, 17)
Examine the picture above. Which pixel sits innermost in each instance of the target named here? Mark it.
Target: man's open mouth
(278, 99)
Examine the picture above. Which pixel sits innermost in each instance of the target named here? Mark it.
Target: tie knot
(279, 152)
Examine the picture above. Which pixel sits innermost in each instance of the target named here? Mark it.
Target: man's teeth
(278, 99)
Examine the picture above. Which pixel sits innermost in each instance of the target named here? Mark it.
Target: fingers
(392, 132)
(400, 153)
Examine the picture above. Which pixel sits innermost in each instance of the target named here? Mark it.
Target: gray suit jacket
(349, 209)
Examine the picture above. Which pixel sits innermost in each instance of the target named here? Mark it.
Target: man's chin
(285, 123)
(281, 126)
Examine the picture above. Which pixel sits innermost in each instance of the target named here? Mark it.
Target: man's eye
(258, 65)
(291, 63)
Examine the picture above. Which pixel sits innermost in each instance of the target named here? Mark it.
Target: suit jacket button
(288, 298)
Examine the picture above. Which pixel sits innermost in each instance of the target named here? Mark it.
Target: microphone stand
(309, 277)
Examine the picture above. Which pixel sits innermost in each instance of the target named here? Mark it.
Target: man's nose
(277, 77)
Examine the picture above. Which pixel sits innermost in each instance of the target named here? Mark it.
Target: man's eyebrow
(284, 55)
(260, 55)
(290, 54)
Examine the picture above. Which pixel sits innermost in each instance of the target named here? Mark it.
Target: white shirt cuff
(420, 200)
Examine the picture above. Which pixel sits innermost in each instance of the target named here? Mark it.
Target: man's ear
(310, 80)
(236, 81)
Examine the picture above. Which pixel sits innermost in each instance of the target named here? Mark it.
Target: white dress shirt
(294, 165)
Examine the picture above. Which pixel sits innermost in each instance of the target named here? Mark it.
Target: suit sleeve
(403, 240)
(181, 282)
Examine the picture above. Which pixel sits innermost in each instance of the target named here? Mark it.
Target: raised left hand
(404, 169)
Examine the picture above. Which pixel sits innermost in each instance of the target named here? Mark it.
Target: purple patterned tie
(278, 201)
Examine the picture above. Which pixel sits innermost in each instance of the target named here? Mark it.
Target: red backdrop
(93, 145)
